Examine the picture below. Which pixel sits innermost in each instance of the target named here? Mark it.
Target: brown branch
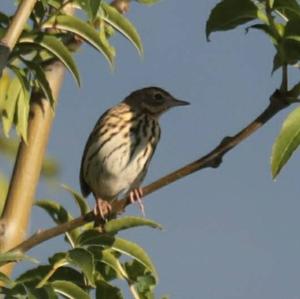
(212, 159)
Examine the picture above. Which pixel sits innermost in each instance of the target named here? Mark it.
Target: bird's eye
(158, 97)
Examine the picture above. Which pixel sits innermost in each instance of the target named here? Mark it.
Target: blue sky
(230, 232)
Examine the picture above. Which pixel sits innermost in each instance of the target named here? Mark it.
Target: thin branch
(212, 159)
(133, 291)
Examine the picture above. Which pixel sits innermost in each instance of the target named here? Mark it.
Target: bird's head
(153, 100)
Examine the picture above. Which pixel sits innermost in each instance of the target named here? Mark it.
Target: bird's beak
(176, 102)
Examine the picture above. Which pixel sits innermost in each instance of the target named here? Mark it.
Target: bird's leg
(136, 196)
(102, 208)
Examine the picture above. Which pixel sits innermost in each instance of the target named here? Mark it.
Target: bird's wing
(85, 188)
(150, 152)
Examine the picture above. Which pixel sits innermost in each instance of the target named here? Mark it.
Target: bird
(120, 147)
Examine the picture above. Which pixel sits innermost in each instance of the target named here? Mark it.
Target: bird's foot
(102, 209)
(135, 196)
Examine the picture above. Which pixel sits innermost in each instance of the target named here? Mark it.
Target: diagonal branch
(213, 159)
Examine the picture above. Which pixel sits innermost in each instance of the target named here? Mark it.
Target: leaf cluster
(280, 21)
(97, 258)
(53, 35)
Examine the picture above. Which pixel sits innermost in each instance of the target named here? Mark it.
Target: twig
(212, 159)
(133, 291)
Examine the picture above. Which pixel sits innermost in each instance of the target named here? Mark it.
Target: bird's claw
(135, 196)
(102, 209)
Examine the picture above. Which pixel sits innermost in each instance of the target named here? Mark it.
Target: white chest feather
(118, 161)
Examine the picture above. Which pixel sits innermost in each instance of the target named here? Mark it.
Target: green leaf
(77, 257)
(84, 30)
(290, 50)
(22, 111)
(287, 7)
(4, 83)
(104, 34)
(295, 90)
(38, 293)
(22, 105)
(6, 280)
(30, 279)
(91, 7)
(39, 11)
(54, 46)
(59, 215)
(17, 292)
(93, 237)
(106, 257)
(13, 256)
(115, 225)
(33, 275)
(55, 3)
(69, 289)
(267, 30)
(105, 290)
(123, 25)
(56, 211)
(84, 260)
(229, 14)
(4, 18)
(277, 62)
(4, 52)
(292, 28)
(10, 104)
(72, 274)
(82, 204)
(143, 280)
(286, 142)
(44, 84)
(107, 266)
(145, 287)
(59, 259)
(79, 199)
(94, 6)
